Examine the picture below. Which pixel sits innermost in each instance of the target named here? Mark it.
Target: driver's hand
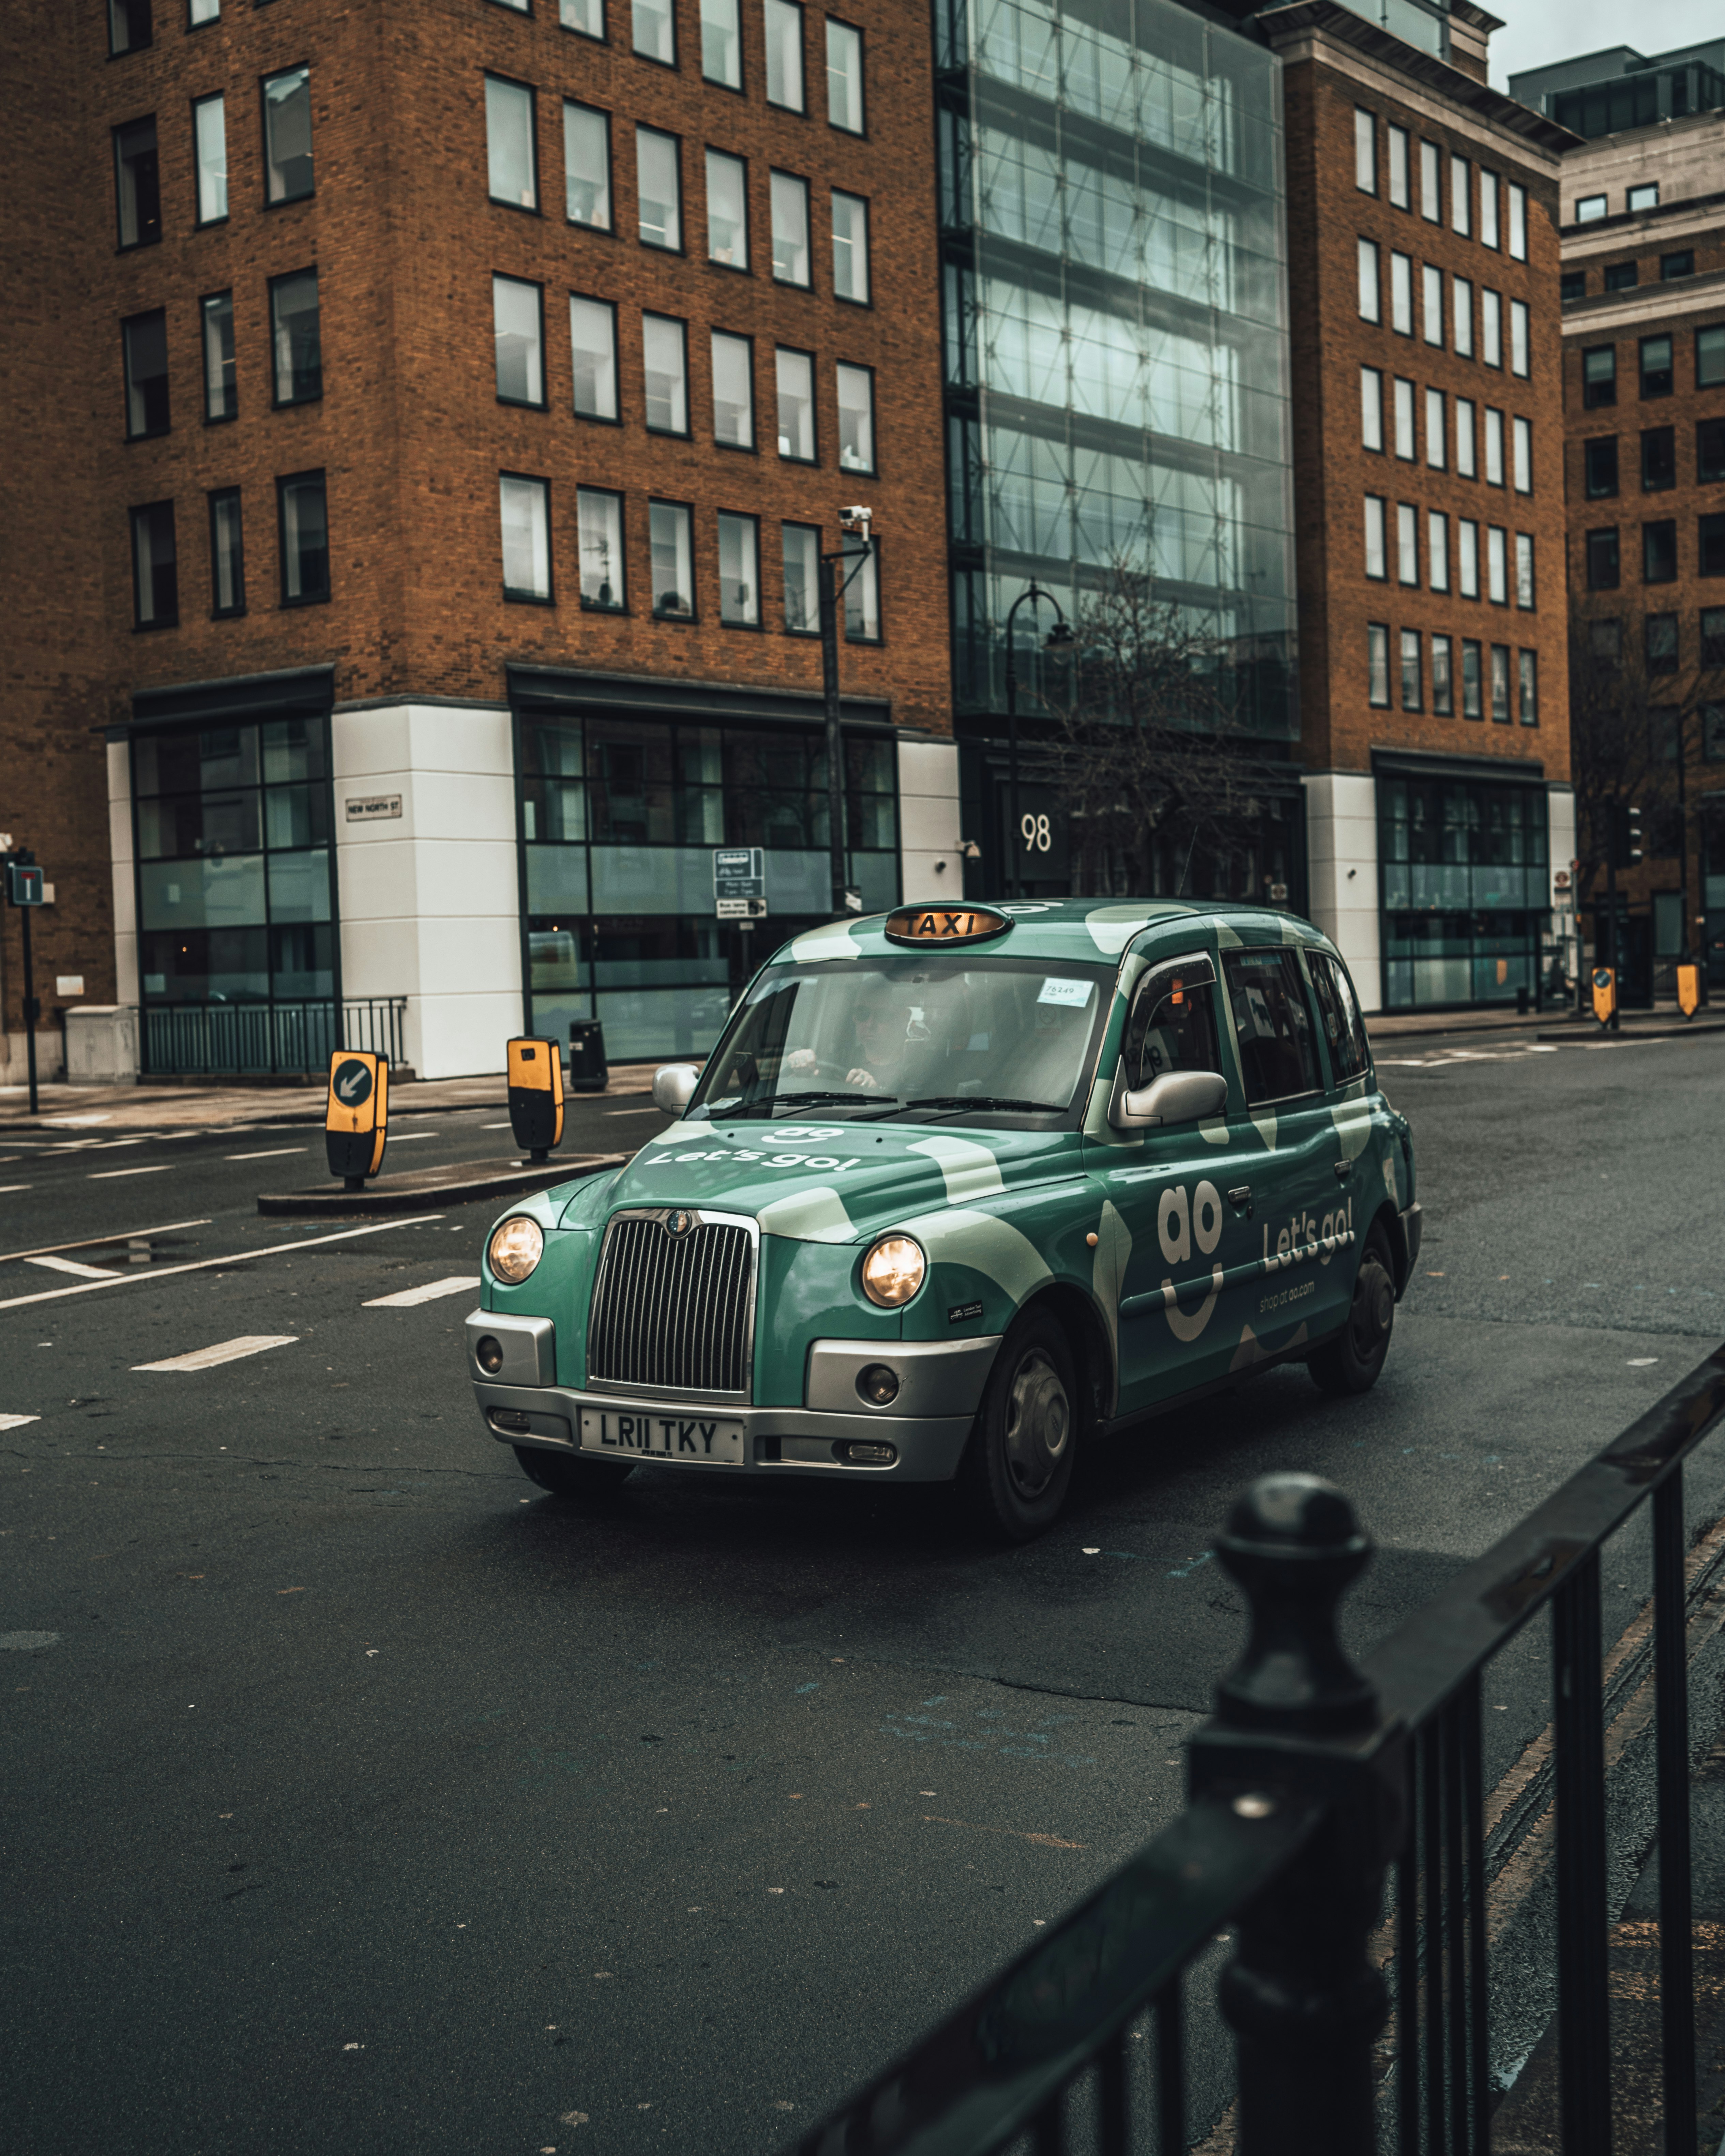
(866, 1079)
(800, 1059)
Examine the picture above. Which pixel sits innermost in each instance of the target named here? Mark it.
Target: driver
(889, 1035)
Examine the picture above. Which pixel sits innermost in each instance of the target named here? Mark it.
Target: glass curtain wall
(1466, 889)
(618, 821)
(1115, 330)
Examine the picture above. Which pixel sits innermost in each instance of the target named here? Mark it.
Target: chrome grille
(672, 1313)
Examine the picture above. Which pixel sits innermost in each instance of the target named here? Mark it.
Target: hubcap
(1373, 1309)
(1039, 1424)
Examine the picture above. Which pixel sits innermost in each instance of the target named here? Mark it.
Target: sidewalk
(1557, 1024)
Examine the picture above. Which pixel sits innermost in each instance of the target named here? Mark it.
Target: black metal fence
(267, 1039)
(1313, 1782)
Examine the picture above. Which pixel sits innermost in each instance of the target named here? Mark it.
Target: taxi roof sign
(945, 924)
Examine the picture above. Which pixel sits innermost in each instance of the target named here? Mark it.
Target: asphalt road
(357, 1794)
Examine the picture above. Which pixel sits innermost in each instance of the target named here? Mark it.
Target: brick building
(425, 422)
(1429, 476)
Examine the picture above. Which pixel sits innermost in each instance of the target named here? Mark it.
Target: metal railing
(267, 1039)
(1313, 1781)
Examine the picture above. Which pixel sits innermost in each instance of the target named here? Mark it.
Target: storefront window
(1465, 889)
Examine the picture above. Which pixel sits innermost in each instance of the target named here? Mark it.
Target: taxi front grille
(671, 1313)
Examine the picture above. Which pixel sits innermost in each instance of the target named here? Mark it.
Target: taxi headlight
(893, 1271)
(516, 1247)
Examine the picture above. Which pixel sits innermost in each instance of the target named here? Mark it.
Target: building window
(210, 149)
(659, 188)
(598, 539)
(1710, 452)
(1436, 430)
(1620, 276)
(1710, 356)
(653, 27)
(1461, 218)
(1405, 445)
(304, 539)
(1443, 686)
(1467, 558)
(1437, 550)
(665, 358)
(1407, 542)
(137, 184)
(585, 18)
(1710, 541)
(1376, 561)
(1398, 141)
(1605, 642)
(593, 345)
(511, 155)
(844, 77)
(1371, 409)
(155, 570)
(1518, 354)
(1660, 630)
(144, 348)
(1490, 327)
(1679, 264)
(1526, 596)
(1522, 439)
(790, 228)
(1590, 209)
(1461, 315)
(128, 27)
(1529, 661)
(1656, 367)
(1572, 285)
(739, 571)
(1431, 206)
(1470, 706)
(862, 597)
(1494, 446)
(721, 44)
(1659, 552)
(1431, 279)
(1644, 197)
(226, 554)
(287, 136)
(1488, 208)
(518, 329)
(1496, 565)
(1466, 455)
(1401, 294)
(1517, 221)
(221, 391)
(296, 338)
(1377, 665)
(1602, 566)
(796, 405)
(1659, 459)
(802, 578)
(1598, 376)
(733, 391)
(671, 551)
(1712, 636)
(524, 510)
(1500, 684)
(586, 165)
(727, 210)
(1365, 151)
(856, 418)
(1370, 299)
(1413, 690)
(850, 247)
(784, 56)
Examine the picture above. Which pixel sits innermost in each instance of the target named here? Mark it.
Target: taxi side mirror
(674, 1085)
(1177, 1097)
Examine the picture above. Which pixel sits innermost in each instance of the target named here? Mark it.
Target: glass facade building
(1466, 887)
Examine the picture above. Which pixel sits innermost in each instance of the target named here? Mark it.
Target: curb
(1681, 1030)
(454, 1185)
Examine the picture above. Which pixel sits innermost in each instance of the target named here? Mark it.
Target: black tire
(566, 1475)
(1350, 1362)
(1018, 1467)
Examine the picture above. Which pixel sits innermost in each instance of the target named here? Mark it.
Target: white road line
(17, 1422)
(224, 1351)
(108, 1174)
(456, 1284)
(207, 1264)
(407, 1138)
(275, 1152)
(5, 1189)
(101, 1242)
(71, 1265)
(496, 1126)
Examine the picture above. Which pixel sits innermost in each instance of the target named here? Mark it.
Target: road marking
(71, 1265)
(224, 1351)
(5, 1187)
(407, 1138)
(275, 1152)
(496, 1126)
(207, 1264)
(456, 1284)
(97, 1242)
(108, 1174)
(17, 1422)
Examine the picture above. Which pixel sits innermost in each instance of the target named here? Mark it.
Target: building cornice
(1644, 304)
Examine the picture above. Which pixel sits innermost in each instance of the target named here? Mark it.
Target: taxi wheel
(565, 1476)
(1018, 1467)
(1350, 1361)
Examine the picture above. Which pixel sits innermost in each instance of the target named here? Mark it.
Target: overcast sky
(1536, 32)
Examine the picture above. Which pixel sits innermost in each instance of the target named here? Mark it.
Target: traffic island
(453, 1185)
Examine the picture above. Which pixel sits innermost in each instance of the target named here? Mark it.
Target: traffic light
(1625, 835)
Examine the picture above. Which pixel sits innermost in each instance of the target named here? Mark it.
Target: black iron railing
(1313, 1782)
(267, 1039)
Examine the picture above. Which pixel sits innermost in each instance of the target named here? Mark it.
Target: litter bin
(587, 1073)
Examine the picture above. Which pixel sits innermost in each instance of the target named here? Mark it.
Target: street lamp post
(857, 519)
(1060, 634)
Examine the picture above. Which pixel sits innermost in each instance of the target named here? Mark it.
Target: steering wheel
(822, 1066)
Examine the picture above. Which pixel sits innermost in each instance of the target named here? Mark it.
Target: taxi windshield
(917, 1037)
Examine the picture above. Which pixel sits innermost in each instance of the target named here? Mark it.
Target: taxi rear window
(1278, 1053)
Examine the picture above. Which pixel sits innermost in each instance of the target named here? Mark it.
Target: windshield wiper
(794, 1100)
(958, 1101)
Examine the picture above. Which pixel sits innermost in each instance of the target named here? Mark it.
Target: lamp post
(1061, 635)
(857, 519)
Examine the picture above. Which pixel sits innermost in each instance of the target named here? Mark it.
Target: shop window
(586, 165)
(524, 509)
(144, 348)
(137, 184)
(156, 576)
(287, 136)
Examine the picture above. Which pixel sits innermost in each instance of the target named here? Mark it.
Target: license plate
(653, 1436)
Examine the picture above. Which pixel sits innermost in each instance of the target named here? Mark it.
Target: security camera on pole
(24, 890)
(856, 521)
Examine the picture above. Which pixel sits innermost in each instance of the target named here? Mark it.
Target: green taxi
(960, 1191)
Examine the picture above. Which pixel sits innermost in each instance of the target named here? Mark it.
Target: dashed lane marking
(224, 1351)
(71, 1265)
(456, 1284)
(111, 1174)
(275, 1152)
(7, 1188)
(17, 1422)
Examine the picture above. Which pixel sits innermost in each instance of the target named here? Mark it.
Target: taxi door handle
(1242, 1195)
(1343, 1169)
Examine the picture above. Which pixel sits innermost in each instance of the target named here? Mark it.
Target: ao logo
(1178, 1224)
